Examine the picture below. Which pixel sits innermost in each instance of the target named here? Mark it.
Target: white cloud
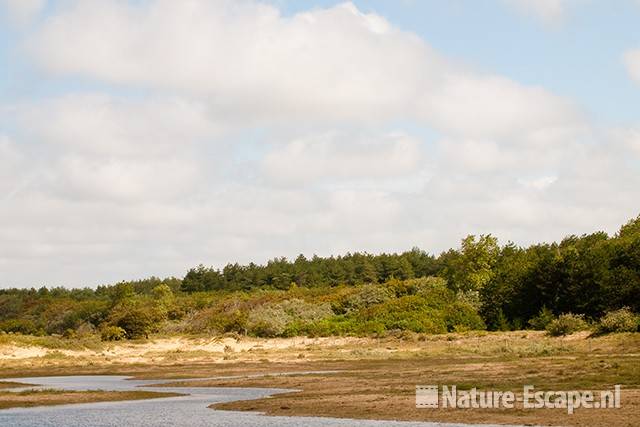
(95, 177)
(632, 62)
(626, 139)
(22, 12)
(495, 107)
(336, 156)
(11, 162)
(244, 57)
(249, 63)
(100, 124)
(251, 134)
(539, 183)
(124, 180)
(92, 147)
(550, 11)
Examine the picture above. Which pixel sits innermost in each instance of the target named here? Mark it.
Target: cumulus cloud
(22, 12)
(632, 62)
(495, 107)
(11, 160)
(102, 124)
(101, 147)
(247, 61)
(626, 139)
(88, 178)
(244, 57)
(343, 156)
(227, 131)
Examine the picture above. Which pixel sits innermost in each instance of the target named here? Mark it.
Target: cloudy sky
(142, 138)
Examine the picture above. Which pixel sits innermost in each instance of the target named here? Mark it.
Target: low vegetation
(37, 397)
(622, 320)
(566, 324)
(591, 281)
(12, 384)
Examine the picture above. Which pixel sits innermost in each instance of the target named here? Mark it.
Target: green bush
(20, 326)
(369, 328)
(323, 328)
(461, 316)
(268, 321)
(112, 333)
(137, 318)
(304, 311)
(433, 288)
(286, 318)
(410, 312)
(234, 321)
(567, 324)
(540, 322)
(367, 296)
(623, 320)
(227, 315)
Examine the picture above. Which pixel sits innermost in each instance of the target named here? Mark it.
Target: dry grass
(385, 390)
(12, 384)
(377, 378)
(32, 398)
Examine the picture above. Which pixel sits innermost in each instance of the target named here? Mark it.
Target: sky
(145, 137)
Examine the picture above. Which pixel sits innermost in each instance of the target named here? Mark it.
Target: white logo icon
(426, 396)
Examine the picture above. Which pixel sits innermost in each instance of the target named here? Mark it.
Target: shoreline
(48, 397)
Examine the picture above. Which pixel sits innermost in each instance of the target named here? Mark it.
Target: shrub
(304, 311)
(20, 326)
(399, 288)
(369, 328)
(461, 317)
(410, 312)
(335, 325)
(367, 296)
(323, 328)
(540, 322)
(227, 315)
(623, 320)
(433, 288)
(164, 301)
(501, 322)
(566, 324)
(112, 333)
(137, 320)
(268, 321)
(287, 318)
(226, 322)
(85, 330)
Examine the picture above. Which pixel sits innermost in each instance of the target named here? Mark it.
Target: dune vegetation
(583, 282)
(37, 397)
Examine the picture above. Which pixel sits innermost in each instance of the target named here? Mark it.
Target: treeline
(280, 273)
(589, 274)
(480, 285)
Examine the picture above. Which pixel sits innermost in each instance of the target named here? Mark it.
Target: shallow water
(188, 411)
